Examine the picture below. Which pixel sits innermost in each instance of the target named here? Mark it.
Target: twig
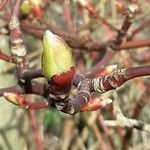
(35, 129)
(14, 89)
(143, 57)
(31, 74)
(90, 7)
(139, 29)
(129, 123)
(102, 143)
(38, 105)
(4, 136)
(30, 58)
(95, 46)
(122, 121)
(136, 112)
(100, 65)
(115, 44)
(67, 14)
(82, 98)
(7, 58)
(3, 4)
(18, 48)
(103, 84)
(106, 129)
(87, 46)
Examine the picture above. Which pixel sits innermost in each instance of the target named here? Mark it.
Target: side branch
(103, 84)
(13, 89)
(7, 58)
(18, 48)
(123, 121)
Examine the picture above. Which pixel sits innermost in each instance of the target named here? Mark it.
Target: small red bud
(121, 8)
(17, 99)
(37, 11)
(95, 104)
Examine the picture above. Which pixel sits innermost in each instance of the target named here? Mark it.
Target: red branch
(7, 58)
(3, 4)
(35, 129)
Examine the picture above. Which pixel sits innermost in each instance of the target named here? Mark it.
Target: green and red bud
(31, 6)
(25, 8)
(17, 99)
(57, 61)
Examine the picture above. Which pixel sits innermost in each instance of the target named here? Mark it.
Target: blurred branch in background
(104, 36)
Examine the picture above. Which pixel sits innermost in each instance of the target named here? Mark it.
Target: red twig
(102, 143)
(135, 44)
(106, 129)
(35, 129)
(68, 16)
(18, 48)
(90, 46)
(135, 114)
(16, 8)
(32, 74)
(3, 4)
(14, 89)
(138, 72)
(119, 77)
(100, 65)
(7, 58)
(90, 7)
(38, 105)
(140, 28)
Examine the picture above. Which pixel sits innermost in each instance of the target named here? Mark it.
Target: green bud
(36, 2)
(25, 8)
(57, 55)
(27, 5)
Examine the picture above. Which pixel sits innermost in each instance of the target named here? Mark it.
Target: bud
(31, 5)
(95, 104)
(37, 11)
(121, 8)
(57, 56)
(25, 8)
(16, 99)
(35, 2)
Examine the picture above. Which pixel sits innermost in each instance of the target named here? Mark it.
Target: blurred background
(85, 130)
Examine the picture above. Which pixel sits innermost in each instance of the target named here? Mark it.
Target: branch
(100, 139)
(7, 58)
(143, 57)
(106, 130)
(122, 121)
(115, 44)
(3, 4)
(32, 74)
(120, 76)
(128, 123)
(35, 129)
(143, 26)
(75, 42)
(30, 57)
(13, 89)
(90, 7)
(18, 48)
(82, 98)
(67, 14)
